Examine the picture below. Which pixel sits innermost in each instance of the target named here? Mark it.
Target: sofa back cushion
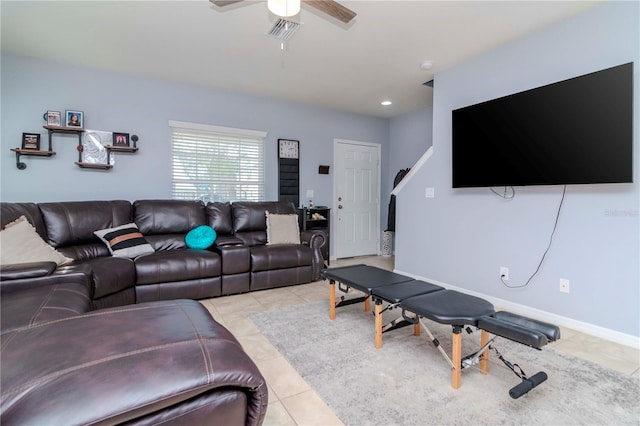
(219, 218)
(9, 212)
(164, 223)
(70, 225)
(250, 221)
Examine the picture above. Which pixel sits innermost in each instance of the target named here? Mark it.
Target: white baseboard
(516, 308)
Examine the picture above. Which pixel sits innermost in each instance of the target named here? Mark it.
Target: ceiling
(326, 63)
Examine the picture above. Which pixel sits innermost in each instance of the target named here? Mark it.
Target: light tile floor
(293, 402)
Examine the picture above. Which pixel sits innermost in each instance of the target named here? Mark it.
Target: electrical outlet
(564, 285)
(504, 273)
(429, 192)
(309, 193)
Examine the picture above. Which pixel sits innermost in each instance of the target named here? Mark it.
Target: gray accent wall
(411, 137)
(143, 106)
(463, 236)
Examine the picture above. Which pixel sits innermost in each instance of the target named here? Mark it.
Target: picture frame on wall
(54, 118)
(31, 141)
(121, 139)
(74, 118)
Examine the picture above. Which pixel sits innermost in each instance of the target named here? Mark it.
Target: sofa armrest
(227, 240)
(26, 270)
(315, 239)
(19, 284)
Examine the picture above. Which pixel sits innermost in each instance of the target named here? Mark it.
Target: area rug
(408, 382)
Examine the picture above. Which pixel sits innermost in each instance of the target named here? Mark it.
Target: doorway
(356, 190)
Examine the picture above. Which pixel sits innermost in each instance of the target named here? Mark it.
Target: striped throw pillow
(125, 241)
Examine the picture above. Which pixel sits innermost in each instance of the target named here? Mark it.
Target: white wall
(461, 237)
(116, 102)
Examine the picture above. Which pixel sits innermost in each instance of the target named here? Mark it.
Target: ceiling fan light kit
(284, 8)
(288, 8)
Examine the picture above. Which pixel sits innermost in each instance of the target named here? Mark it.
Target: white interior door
(356, 198)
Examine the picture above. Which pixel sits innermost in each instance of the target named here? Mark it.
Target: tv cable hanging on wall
(555, 225)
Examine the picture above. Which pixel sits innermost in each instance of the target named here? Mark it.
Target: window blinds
(211, 163)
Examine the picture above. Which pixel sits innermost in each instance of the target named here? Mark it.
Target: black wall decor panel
(289, 180)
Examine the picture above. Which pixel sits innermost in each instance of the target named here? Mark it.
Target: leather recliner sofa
(163, 362)
(239, 261)
(111, 340)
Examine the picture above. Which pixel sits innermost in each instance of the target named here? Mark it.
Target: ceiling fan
(287, 8)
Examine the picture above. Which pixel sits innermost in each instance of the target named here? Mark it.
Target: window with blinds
(212, 163)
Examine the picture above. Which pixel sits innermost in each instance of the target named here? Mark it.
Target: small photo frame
(120, 139)
(54, 118)
(74, 119)
(31, 141)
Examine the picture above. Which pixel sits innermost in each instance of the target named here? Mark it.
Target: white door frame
(334, 223)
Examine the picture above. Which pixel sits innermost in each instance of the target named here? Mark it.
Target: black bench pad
(520, 329)
(449, 307)
(396, 293)
(363, 277)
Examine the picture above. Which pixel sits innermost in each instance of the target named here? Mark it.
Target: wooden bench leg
(367, 304)
(378, 323)
(484, 358)
(332, 300)
(456, 356)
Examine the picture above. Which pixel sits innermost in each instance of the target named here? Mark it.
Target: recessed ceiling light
(385, 103)
(426, 65)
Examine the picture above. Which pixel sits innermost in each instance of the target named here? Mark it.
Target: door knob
(339, 206)
(339, 198)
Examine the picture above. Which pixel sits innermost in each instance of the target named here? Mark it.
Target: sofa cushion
(125, 241)
(12, 211)
(72, 223)
(282, 229)
(168, 216)
(266, 258)
(219, 217)
(176, 265)
(249, 220)
(20, 243)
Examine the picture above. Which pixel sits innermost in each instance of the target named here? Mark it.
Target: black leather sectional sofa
(239, 261)
(113, 340)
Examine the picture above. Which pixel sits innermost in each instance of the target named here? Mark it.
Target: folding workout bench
(429, 301)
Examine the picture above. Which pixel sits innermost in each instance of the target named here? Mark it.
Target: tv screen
(577, 131)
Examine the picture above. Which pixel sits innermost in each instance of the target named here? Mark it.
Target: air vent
(283, 29)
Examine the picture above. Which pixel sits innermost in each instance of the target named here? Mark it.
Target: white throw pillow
(20, 243)
(125, 241)
(282, 229)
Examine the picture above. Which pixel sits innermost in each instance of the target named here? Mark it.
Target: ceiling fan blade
(222, 3)
(332, 8)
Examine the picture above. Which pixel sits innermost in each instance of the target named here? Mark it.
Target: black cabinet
(317, 219)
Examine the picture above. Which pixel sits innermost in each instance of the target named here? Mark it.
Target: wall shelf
(82, 164)
(121, 148)
(79, 132)
(62, 129)
(32, 152)
(104, 166)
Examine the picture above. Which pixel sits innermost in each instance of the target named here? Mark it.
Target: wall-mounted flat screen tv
(577, 131)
